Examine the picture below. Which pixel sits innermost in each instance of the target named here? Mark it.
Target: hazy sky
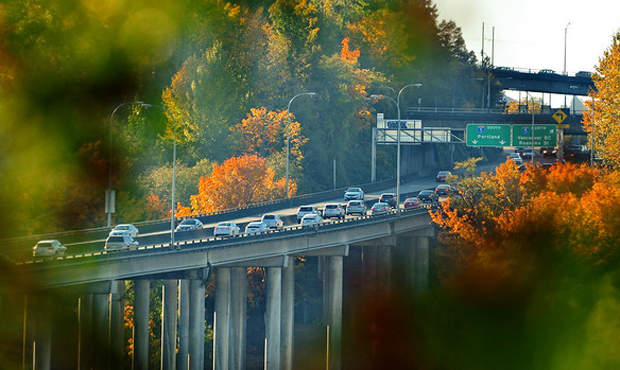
(530, 33)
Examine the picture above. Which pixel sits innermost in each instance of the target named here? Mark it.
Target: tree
(238, 182)
(600, 121)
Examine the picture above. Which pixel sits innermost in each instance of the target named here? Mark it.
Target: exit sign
(488, 135)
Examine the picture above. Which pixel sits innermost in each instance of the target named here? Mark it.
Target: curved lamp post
(397, 102)
(109, 200)
(174, 166)
(288, 138)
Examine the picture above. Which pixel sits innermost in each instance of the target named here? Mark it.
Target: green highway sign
(544, 135)
(487, 135)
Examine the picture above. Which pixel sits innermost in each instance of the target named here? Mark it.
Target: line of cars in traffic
(124, 236)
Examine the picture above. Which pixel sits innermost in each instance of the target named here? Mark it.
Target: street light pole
(109, 200)
(565, 33)
(532, 100)
(397, 102)
(288, 138)
(174, 166)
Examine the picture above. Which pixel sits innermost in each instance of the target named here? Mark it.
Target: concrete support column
(141, 324)
(169, 324)
(182, 363)
(238, 309)
(221, 342)
(100, 351)
(422, 264)
(86, 345)
(42, 344)
(384, 268)
(288, 313)
(117, 318)
(273, 318)
(369, 267)
(335, 312)
(196, 324)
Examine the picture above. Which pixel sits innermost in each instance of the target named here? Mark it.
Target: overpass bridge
(89, 289)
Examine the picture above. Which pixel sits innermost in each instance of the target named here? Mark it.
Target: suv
(120, 242)
(306, 210)
(272, 221)
(356, 206)
(389, 198)
(333, 210)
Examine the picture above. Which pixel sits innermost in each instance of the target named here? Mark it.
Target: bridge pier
(141, 324)
(288, 312)
(273, 318)
(336, 278)
(196, 323)
(117, 320)
(183, 350)
(221, 319)
(238, 310)
(169, 324)
(42, 344)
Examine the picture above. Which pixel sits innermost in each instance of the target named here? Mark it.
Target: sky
(530, 33)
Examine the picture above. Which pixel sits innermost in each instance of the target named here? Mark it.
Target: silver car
(125, 229)
(256, 227)
(120, 242)
(272, 221)
(356, 206)
(48, 248)
(226, 229)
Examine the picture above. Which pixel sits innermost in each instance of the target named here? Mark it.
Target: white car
(256, 227)
(125, 229)
(311, 219)
(189, 224)
(226, 229)
(120, 242)
(48, 248)
(354, 193)
(333, 210)
(272, 221)
(356, 206)
(516, 157)
(306, 210)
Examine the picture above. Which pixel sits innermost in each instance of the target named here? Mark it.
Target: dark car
(443, 189)
(442, 176)
(389, 198)
(428, 197)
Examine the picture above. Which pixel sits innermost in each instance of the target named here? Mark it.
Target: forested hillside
(223, 74)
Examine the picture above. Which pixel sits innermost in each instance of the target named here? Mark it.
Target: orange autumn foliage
(510, 227)
(350, 56)
(238, 182)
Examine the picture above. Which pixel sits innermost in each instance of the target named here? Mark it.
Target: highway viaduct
(93, 287)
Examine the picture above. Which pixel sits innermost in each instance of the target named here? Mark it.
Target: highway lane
(288, 215)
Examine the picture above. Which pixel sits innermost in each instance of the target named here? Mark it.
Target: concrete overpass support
(100, 352)
(196, 324)
(422, 264)
(238, 309)
(335, 311)
(288, 313)
(221, 342)
(86, 333)
(117, 317)
(169, 324)
(42, 344)
(141, 324)
(182, 361)
(384, 268)
(273, 318)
